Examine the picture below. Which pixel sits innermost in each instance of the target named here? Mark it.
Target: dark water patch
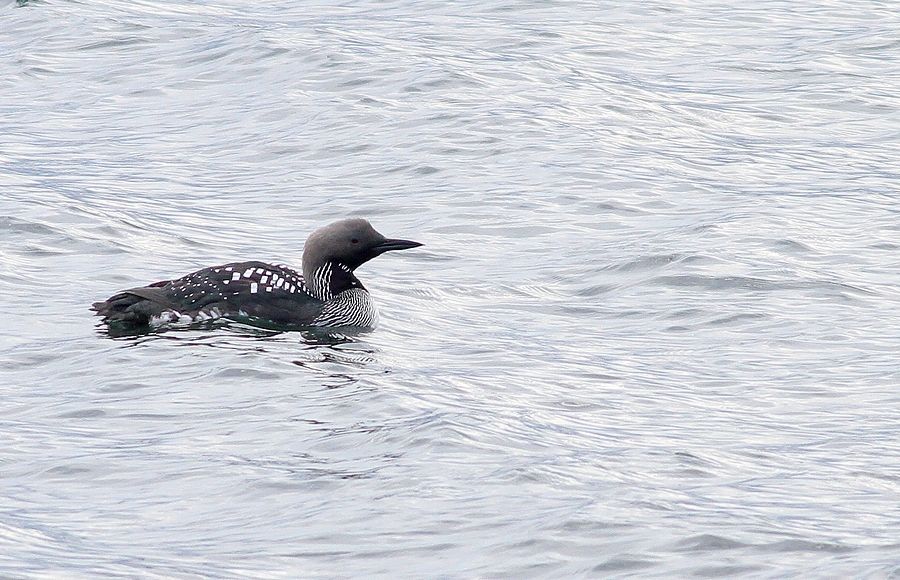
(792, 246)
(797, 545)
(116, 44)
(646, 263)
(708, 542)
(83, 414)
(737, 318)
(719, 282)
(622, 564)
(596, 290)
(725, 571)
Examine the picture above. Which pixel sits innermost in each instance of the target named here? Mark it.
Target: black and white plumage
(326, 293)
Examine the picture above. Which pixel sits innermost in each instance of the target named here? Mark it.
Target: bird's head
(350, 243)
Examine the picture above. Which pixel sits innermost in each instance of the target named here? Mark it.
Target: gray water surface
(653, 331)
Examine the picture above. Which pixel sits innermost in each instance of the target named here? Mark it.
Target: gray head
(340, 248)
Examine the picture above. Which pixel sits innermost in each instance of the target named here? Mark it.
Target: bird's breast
(353, 307)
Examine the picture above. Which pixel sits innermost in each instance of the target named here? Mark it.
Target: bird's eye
(354, 240)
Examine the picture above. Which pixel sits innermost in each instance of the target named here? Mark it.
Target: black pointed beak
(390, 245)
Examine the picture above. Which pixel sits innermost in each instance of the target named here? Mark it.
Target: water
(653, 331)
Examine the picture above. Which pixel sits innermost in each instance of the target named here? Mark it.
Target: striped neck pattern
(330, 279)
(320, 282)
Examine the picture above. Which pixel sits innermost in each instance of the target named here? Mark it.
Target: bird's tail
(125, 310)
(132, 308)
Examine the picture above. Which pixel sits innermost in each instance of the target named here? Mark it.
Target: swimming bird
(326, 293)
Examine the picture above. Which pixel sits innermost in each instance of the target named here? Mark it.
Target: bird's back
(254, 290)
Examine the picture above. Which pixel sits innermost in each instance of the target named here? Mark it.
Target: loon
(325, 294)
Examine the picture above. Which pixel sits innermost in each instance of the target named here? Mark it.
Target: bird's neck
(330, 279)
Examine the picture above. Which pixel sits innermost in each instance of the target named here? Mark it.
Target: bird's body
(258, 291)
(326, 294)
